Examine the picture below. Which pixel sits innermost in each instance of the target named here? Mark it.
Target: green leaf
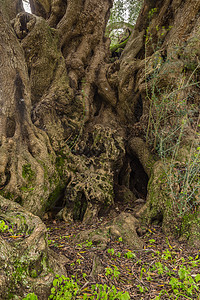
(182, 273)
(125, 296)
(55, 282)
(197, 278)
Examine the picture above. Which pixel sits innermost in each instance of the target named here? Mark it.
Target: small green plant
(149, 278)
(79, 245)
(185, 284)
(162, 292)
(118, 254)
(160, 268)
(130, 254)
(3, 226)
(88, 244)
(142, 289)
(52, 243)
(166, 255)
(194, 262)
(104, 292)
(113, 273)
(78, 261)
(65, 288)
(111, 251)
(31, 296)
(151, 241)
(142, 271)
(152, 12)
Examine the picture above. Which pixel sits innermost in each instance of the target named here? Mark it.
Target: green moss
(53, 197)
(7, 195)
(26, 189)
(33, 274)
(190, 220)
(44, 263)
(60, 161)
(39, 266)
(28, 173)
(19, 273)
(11, 196)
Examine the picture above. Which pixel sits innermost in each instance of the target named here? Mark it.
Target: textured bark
(25, 150)
(28, 263)
(161, 61)
(53, 79)
(74, 126)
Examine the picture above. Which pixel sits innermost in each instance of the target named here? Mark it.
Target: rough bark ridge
(77, 130)
(159, 81)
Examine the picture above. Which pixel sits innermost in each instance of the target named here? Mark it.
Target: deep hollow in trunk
(131, 180)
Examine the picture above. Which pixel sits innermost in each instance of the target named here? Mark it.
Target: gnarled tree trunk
(83, 132)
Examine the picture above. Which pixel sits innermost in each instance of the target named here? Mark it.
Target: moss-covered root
(26, 265)
(162, 208)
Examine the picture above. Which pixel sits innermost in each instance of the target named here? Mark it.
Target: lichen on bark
(81, 130)
(26, 262)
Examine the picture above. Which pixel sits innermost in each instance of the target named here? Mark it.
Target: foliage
(125, 10)
(163, 264)
(64, 287)
(179, 275)
(105, 292)
(67, 288)
(169, 120)
(129, 254)
(182, 278)
(111, 251)
(31, 296)
(123, 15)
(4, 227)
(112, 272)
(27, 172)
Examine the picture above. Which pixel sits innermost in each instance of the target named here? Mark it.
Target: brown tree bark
(80, 131)
(159, 78)
(54, 87)
(25, 150)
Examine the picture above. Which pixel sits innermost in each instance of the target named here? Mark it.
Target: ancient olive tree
(85, 131)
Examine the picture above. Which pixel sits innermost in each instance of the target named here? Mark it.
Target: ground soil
(137, 275)
(134, 272)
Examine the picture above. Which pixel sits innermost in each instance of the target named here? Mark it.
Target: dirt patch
(143, 273)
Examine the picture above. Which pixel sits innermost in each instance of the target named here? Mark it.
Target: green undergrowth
(163, 269)
(4, 227)
(69, 288)
(65, 288)
(172, 118)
